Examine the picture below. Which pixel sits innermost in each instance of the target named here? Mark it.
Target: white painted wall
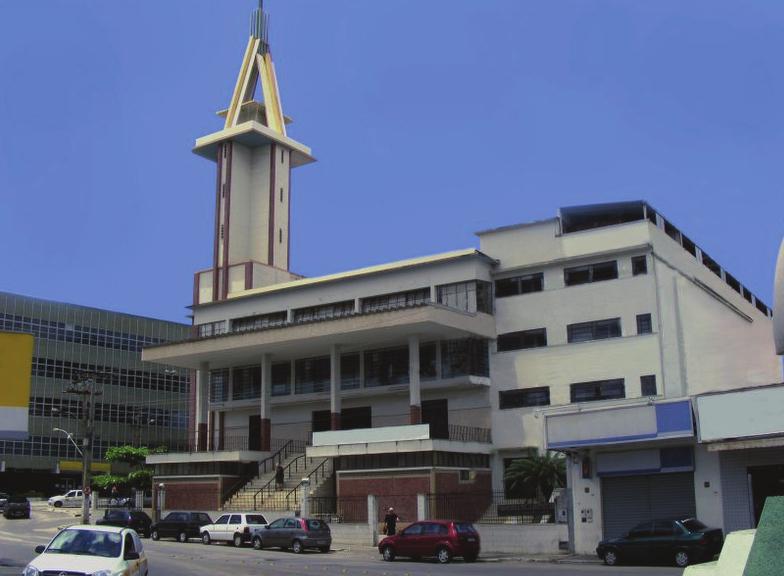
(464, 269)
(709, 499)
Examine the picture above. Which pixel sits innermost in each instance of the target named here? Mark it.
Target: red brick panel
(397, 491)
(192, 495)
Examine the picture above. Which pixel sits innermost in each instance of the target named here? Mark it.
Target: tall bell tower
(254, 158)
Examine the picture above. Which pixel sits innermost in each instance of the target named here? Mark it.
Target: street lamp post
(84, 385)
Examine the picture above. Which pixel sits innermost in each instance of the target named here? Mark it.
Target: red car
(443, 539)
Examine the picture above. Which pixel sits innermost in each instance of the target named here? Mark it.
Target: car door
(69, 498)
(638, 543)
(132, 566)
(408, 542)
(234, 526)
(290, 528)
(663, 540)
(429, 539)
(272, 536)
(218, 530)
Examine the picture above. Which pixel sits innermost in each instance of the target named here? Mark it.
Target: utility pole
(84, 385)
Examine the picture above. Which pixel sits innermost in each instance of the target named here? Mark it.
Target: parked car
(3, 500)
(295, 533)
(682, 542)
(88, 549)
(235, 528)
(444, 539)
(17, 507)
(134, 519)
(180, 525)
(72, 498)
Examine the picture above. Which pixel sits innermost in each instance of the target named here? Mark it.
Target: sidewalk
(364, 550)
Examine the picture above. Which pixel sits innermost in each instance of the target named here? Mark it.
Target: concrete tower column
(202, 399)
(266, 387)
(334, 388)
(414, 385)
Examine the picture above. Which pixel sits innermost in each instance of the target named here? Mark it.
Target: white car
(236, 528)
(94, 550)
(70, 499)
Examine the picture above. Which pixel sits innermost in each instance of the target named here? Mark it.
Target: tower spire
(256, 67)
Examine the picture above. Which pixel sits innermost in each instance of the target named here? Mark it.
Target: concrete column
(414, 386)
(334, 389)
(266, 387)
(373, 518)
(202, 399)
(421, 507)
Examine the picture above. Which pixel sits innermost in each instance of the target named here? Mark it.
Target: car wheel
(58, 504)
(470, 557)
(296, 547)
(205, 538)
(257, 543)
(611, 558)
(154, 535)
(682, 558)
(324, 549)
(443, 555)
(237, 540)
(388, 554)
(182, 537)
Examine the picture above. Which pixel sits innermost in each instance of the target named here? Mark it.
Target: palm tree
(537, 473)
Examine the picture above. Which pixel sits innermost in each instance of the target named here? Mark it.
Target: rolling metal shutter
(629, 500)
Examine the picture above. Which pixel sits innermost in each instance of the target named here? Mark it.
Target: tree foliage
(130, 455)
(140, 478)
(536, 474)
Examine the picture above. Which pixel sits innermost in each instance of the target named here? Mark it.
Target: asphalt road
(19, 537)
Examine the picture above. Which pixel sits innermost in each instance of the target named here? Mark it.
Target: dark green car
(679, 542)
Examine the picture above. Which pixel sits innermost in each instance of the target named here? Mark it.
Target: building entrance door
(321, 421)
(353, 418)
(254, 432)
(436, 413)
(765, 481)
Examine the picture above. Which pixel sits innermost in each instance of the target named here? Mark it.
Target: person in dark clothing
(390, 522)
(279, 477)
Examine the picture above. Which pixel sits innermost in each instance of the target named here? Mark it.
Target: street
(19, 537)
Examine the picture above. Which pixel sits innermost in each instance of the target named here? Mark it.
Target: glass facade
(140, 403)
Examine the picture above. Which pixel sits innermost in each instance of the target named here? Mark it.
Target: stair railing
(319, 473)
(291, 447)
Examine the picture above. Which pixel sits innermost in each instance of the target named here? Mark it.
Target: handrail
(318, 472)
(282, 454)
(245, 478)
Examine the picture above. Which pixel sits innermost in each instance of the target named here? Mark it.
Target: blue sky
(430, 119)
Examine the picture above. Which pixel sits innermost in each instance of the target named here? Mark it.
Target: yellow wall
(16, 357)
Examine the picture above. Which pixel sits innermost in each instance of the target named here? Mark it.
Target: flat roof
(359, 272)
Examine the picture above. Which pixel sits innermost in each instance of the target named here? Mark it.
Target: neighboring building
(588, 333)
(778, 289)
(140, 404)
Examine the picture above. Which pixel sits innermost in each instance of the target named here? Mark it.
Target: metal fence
(489, 508)
(337, 510)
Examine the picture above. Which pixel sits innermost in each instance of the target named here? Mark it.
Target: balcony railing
(459, 433)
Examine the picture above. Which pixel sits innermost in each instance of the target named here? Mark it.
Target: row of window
(53, 446)
(65, 370)
(573, 276)
(578, 392)
(579, 332)
(472, 296)
(100, 337)
(108, 412)
(383, 367)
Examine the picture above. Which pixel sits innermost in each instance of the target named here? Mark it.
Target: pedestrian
(279, 477)
(390, 522)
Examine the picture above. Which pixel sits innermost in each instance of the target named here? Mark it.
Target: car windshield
(87, 543)
(693, 525)
(17, 499)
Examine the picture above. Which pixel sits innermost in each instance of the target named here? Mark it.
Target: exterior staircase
(261, 494)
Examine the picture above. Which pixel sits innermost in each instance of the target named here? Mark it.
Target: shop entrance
(764, 481)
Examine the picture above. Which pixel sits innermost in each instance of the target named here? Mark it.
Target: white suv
(72, 498)
(236, 528)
